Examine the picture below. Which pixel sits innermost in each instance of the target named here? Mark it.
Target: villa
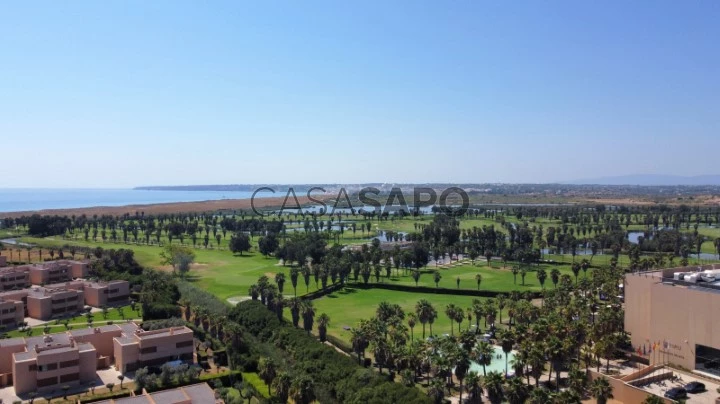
(73, 357)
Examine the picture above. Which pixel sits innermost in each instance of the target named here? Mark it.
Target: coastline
(160, 208)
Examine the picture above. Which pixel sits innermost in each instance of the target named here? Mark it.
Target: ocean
(22, 199)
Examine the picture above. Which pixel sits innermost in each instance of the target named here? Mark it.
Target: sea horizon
(33, 199)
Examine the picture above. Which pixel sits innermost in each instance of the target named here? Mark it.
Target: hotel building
(675, 311)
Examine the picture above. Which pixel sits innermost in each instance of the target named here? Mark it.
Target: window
(47, 382)
(32, 368)
(151, 349)
(68, 364)
(69, 378)
(114, 290)
(47, 367)
(183, 344)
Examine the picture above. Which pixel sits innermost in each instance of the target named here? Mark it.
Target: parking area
(706, 397)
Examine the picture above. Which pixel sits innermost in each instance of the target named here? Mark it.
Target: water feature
(497, 364)
(382, 236)
(15, 242)
(634, 236)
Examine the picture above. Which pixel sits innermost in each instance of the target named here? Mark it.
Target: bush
(335, 377)
(160, 311)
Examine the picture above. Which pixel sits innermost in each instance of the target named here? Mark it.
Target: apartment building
(200, 393)
(153, 348)
(12, 313)
(37, 363)
(56, 271)
(51, 360)
(99, 294)
(45, 303)
(13, 278)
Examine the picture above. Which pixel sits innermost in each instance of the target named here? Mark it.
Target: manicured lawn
(255, 380)
(495, 278)
(347, 307)
(80, 321)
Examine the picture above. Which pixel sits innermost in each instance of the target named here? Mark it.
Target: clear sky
(126, 93)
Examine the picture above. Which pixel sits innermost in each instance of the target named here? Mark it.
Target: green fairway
(495, 278)
(348, 306)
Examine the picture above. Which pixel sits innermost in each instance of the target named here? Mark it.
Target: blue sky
(123, 93)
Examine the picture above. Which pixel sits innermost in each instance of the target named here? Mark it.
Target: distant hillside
(651, 180)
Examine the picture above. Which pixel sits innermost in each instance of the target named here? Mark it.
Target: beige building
(199, 393)
(153, 348)
(47, 303)
(676, 314)
(37, 363)
(99, 294)
(56, 271)
(64, 299)
(13, 278)
(12, 313)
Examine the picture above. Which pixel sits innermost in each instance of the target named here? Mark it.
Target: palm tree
(540, 395)
(323, 322)
(541, 276)
(295, 305)
(308, 315)
(516, 391)
(478, 279)
(653, 399)
(424, 310)
(267, 371)
(301, 390)
(359, 339)
(473, 385)
(412, 320)
(280, 281)
(601, 390)
(462, 365)
(484, 353)
(436, 390)
(507, 339)
(493, 384)
(451, 312)
(576, 380)
(555, 276)
(501, 302)
(576, 270)
(436, 278)
(281, 386)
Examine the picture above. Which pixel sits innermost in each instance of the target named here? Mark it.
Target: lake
(22, 199)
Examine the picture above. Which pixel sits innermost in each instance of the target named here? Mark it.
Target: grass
(79, 321)
(259, 385)
(495, 278)
(347, 307)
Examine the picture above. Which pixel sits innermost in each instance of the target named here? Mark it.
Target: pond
(15, 242)
(382, 236)
(634, 236)
(579, 251)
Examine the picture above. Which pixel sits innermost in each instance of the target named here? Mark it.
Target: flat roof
(169, 396)
(200, 393)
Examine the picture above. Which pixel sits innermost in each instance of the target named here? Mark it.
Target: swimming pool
(497, 364)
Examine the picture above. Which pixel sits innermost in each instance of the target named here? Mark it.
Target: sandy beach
(160, 208)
